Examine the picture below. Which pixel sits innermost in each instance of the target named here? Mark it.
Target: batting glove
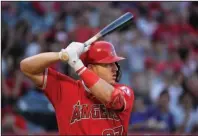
(73, 51)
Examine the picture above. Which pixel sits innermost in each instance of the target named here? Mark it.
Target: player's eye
(108, 65)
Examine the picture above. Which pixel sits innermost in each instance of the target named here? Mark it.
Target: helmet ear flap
(118, 73)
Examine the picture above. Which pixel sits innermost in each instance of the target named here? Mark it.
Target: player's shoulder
(59, 75)
(118, 85)
(126, 89)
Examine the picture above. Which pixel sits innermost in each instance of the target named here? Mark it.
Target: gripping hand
(71, 54)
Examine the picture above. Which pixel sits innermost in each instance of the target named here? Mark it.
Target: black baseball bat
(121, 21)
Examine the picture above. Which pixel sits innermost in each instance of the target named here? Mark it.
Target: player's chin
(113, 81)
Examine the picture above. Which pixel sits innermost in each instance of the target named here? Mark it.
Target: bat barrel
(110, 28)
(116, 24)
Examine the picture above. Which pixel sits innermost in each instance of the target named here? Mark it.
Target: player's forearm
(102, 90)
(37, 64)
(98, 87)
(110, 96)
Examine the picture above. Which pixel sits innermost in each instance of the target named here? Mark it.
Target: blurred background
(161, 47)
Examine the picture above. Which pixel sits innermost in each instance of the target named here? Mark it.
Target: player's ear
(92, 67)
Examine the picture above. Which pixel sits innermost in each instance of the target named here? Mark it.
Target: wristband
(88, 76)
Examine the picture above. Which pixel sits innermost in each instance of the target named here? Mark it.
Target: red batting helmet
(100, 52)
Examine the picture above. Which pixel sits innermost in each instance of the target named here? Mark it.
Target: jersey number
(117, 131)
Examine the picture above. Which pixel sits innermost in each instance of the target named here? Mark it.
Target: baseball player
(96, 104)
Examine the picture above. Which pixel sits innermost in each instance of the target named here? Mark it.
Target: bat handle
(91, 40)
(86, 44)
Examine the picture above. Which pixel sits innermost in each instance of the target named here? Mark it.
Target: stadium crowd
(161, 47)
